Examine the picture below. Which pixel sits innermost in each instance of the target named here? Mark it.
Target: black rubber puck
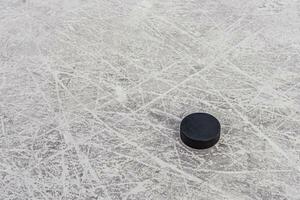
(200, 130)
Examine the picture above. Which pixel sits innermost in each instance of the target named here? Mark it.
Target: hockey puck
(200, 130)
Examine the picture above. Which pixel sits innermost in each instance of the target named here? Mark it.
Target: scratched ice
(92, 93)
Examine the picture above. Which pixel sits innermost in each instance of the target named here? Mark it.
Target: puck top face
(200, 130)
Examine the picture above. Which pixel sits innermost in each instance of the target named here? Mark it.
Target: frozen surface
(92, 93)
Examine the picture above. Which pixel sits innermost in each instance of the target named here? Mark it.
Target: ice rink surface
(92, 93)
